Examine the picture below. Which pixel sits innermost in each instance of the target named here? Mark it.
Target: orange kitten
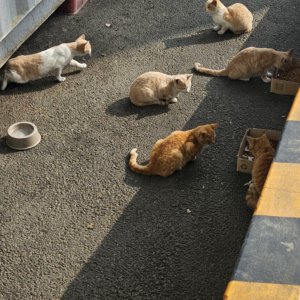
(236, 17)
(252, 62)
(175, 151)
(263, 153)
(158, 88)
(24, 68)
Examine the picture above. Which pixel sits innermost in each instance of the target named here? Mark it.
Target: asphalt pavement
(75, 222)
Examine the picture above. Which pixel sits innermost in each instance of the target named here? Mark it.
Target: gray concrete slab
(145, 244)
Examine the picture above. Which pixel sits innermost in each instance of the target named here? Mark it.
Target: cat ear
(204, 134)
(250, 141)
(214, 2)
(178, 81)
(291, 52)
(82, 37)
(214, 126)
(81, 46)
(283, 60)
(188, 76)
(265, 136)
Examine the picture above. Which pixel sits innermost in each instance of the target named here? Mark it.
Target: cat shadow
(142, 181)
(33, 86)
(123, 108)
(205, 36)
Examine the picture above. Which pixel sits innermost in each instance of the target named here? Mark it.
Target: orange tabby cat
(236, 17)
(24, 68)
(175, 151)
(158, 88)
(263, 153)
(252, 62)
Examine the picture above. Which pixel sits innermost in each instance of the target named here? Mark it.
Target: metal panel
(19, 19)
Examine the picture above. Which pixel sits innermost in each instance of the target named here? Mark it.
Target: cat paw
(83, 66)
(216, 28)
(173, 100)
(266, 79)
(61, 79)
(221, 32)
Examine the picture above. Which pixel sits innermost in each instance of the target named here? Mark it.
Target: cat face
(183, 83)
(206, 134)
(83, 46)
(255, 144)
(287, 60)
(211, 5)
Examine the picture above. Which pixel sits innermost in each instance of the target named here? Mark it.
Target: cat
(24, 68)
(175, 151)
(236, 17)
(158, 88)
(263, 153)
(252, 62)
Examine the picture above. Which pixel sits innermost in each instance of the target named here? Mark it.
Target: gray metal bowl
(22, 136)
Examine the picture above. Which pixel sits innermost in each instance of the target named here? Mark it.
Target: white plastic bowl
(22, 136)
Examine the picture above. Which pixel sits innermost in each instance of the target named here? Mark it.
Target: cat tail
(200, 69)
(134, 166)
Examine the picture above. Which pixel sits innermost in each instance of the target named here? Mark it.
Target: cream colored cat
(175, 151)
(252, 62)
(236, 17)
(158, 88)
(24, 68)
(263, 153)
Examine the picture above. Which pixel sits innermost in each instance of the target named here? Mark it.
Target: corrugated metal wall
(19, 19)
(12, 12)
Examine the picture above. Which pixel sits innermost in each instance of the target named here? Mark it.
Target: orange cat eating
(263, 153)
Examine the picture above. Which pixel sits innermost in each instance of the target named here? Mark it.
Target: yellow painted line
(277, 203)
(294, 114)
(284, 177)
(240, 290)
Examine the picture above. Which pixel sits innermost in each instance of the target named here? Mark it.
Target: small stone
(188, 211)
(108, 25)
(91, 226)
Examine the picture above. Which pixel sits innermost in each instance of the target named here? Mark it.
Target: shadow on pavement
(4, 149)
(206, 36)
(173, 241)
(33, 86)
(123, 108)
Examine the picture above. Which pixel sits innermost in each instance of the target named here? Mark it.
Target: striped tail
(212, 72)
(135, 167)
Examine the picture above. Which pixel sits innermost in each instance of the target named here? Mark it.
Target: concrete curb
(269, 264)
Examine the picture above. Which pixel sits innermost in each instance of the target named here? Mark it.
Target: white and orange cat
(175, 151)
(158, 88)
(252, 62)
(24, 68)
(236, 17)
(263, 153)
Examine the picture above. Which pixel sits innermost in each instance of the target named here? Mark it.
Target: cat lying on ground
(158, 88)
(263, 153)
(175, 151)
(24, 68)
(252, 62)
(235, 17)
